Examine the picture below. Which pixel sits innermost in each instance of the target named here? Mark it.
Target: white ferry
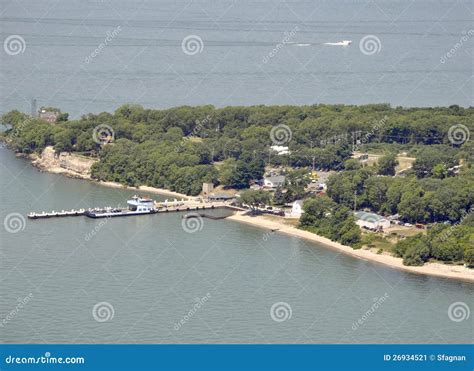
(136, 206)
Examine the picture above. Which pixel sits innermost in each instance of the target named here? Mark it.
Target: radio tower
(34, 110)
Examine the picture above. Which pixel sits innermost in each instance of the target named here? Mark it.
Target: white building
(297, 209)
(274, 181)
(280, 150)
(371, 221)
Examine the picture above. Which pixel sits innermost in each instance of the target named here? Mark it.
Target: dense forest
(177, 148)
(180, 148)
(416, 200)
(446, 243)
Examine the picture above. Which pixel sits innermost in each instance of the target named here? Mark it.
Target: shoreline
(44, 164)
(439, 270)
(160, 191)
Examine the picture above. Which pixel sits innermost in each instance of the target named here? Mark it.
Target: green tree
(386, 165)
(352, 164)
(254, 199)
(416, 254)
(278, 196)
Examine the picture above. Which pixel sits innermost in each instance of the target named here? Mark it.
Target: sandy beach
(433, 269)
(161, 191)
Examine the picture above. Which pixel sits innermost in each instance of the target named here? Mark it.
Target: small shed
(221, 197)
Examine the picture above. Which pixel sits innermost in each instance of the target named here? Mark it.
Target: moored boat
(136, 206)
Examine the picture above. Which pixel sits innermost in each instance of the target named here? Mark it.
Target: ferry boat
(136, 206)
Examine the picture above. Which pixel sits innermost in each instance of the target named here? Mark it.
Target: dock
(53, 214)
(202, 215)
(161, 208)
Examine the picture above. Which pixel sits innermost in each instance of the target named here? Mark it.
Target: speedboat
(340, 43)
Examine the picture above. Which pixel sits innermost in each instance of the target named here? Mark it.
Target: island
(390, 185)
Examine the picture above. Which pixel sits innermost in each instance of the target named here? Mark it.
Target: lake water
(151, 282)
(64, 65)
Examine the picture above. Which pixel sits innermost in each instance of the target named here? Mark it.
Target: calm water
(144, 63)
(150, 272)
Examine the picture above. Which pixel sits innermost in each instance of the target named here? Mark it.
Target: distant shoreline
(459, 273)
(440, 270)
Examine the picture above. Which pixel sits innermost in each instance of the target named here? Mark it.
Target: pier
(202, 215)
(53, 214)
(185, 206)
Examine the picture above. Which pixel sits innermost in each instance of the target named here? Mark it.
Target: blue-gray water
(144, 63)
(150, 272)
